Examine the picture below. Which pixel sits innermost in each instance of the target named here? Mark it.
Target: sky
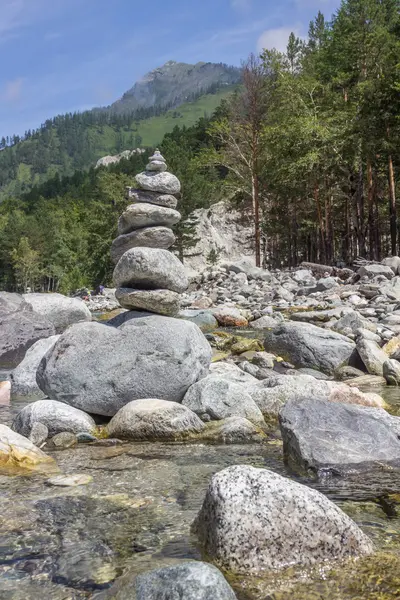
(70, 55)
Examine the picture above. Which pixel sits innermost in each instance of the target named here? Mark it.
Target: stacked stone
(147, 276)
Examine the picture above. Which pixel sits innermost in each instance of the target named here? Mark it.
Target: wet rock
(150, 237)
(165, 183)
(372, 356)
(229, 317)
(99, 368)
(163, 302)
(63, 440)
(204, 319)
(57, 417)
(307, 345)
(243, 344)
(85, 438)
(69, 480)
(265, 322)
(58, 309)
(137, 216)
(186, 581)
(254, 520)
(319, 435)
(150, 268)
(234, 430)
(19, 455)
(152, 419)
(20, 328)
(391, 371)
(38, 434)
(264, 360)
(23, 378)
(215, 398)
(345, 373)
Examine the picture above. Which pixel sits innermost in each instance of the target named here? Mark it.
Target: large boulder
(19, 455)
(150, 268)
(319, 435)
(56, 416)
(137, 216)
(20, 328)
(23, 378)
(254, 520)
(393, 262)
(99, 368)
(59, 310)
(371, 271)
(150, 237)
(215, 398)
(153, 419)
(184, 581)
(307, 345)
(165, 183)
(372, 356)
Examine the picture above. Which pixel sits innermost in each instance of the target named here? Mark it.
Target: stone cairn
(147, 276)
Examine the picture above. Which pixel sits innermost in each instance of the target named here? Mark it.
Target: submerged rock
(19, 455)
(307, 345)
(152, 419)
(233, 430)
(320, 435)
(253, 519)
(99, 369)
(57, 417)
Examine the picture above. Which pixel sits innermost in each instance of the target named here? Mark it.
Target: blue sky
(68, 55)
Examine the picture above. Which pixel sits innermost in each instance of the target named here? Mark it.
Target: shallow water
(72, 543)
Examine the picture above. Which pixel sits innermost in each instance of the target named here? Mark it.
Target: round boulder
(150, 268)
(165, 183)
(254, 520)
(99, 368)
(58, 309)
(152, 419)
(57, 417)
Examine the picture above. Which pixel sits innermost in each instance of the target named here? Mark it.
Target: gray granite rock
(391, 371)
(165, 183)
(183, 581)
(63, 440)
(319, 435)
(374, 270)
(150, 268)
(98, 368)
(307, 345)
(214, 398)
(156, 165)
(202, 318)
(233, 430)
(137, 216)
(58, 309)
(153, 419)
(23, 378)
(254, 520)
(39, 434)
(150, 237)
(372, 356)
(166, 200)
(393, 262)
(57, 417)
(20, 328)
(162, 302)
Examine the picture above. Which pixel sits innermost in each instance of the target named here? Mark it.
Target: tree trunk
(321, 222)
(371, 213)
(256, 207)
(392, 208)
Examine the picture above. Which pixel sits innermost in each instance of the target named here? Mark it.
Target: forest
(309, 144)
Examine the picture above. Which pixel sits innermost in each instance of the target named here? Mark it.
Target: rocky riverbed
(258, 432)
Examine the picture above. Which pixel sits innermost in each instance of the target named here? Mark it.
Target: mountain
(176, 83)
(174, 94)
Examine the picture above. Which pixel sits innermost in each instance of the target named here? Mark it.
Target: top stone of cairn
(157, 162)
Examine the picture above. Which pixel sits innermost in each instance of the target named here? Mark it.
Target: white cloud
(13, 90)
(277, 38)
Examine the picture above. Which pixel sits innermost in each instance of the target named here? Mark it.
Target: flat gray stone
(372, 356)
(98, 368)
(150, 237)
(162, 302)
(166, 200)
(320, 435)
(153, 419)
(165, 183)
(152, 269)
(253, 520)
(137, 216)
